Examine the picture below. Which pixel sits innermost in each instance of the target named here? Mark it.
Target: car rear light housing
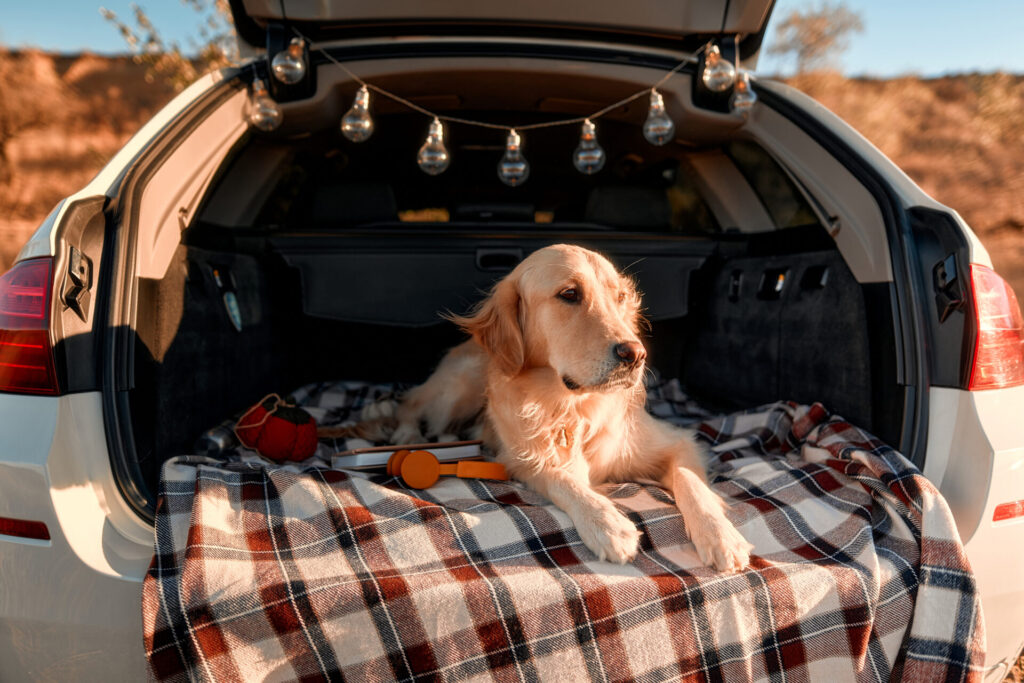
(24, 528)
(998, 359)
(1006, 511)
(26, 354)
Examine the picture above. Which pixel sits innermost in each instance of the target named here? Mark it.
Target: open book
(377, 456)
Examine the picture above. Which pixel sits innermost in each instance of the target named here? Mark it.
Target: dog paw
(407, 433)
(720, 545)
(609, 534)
(378, 410)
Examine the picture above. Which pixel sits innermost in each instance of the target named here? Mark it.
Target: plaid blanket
(304, 572)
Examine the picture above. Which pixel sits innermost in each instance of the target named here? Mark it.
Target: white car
(212, 262)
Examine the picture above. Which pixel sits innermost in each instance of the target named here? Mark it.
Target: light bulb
(743, 97)
(433, 157)
(589, 157)
(289, 65)
(658, 128)
(513, 169)
(356, 124)
(262, 111)
(718, 74)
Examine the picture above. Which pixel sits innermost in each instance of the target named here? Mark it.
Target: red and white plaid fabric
(306, 573)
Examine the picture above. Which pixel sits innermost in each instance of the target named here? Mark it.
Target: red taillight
(1008, 511)
(26, 359)
(24, 528)
(999, 349)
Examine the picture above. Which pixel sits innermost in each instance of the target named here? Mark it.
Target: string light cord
(576, 120)
(717, 74)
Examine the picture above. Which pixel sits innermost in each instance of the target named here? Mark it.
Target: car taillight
(999, 349)
(26, 358)
(24, 528)
(1006, 511)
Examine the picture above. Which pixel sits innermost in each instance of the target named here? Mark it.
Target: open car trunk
(742, 320)
(309, 258)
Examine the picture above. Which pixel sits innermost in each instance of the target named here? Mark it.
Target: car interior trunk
(312, 258)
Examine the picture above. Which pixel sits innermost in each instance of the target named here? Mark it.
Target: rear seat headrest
(629, 208)
(352, 203)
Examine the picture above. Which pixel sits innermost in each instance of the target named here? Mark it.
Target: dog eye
(622, 297)
(570, 294)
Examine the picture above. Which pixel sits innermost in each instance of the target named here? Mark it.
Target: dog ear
(494, 324)
(640, 321)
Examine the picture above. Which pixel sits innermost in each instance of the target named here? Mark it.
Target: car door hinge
(948, 289)
(77, 289)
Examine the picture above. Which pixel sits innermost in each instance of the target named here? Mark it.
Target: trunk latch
(948, 292)
(78, 283)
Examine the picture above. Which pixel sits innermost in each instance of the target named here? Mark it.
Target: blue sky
(900, 36)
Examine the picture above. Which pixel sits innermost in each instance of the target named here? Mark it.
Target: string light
(262, 111)
(718, 74)
(589, 157)
(513, 169)
(743, 96)
(659, 127)
(433, 157)
(289, 66)
(688, 59)
(356, 124)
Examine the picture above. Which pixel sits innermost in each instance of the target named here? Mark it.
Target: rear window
(783, 201)
(325, 183)
(332, 184)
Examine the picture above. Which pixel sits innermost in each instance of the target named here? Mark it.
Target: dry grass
(108, 100)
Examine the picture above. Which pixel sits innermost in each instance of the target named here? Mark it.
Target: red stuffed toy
(278, 430)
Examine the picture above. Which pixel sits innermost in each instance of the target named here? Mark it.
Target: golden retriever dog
(556, 366)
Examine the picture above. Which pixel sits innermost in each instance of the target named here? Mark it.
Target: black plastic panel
(369, 281)
(82, 235)
(944, 259)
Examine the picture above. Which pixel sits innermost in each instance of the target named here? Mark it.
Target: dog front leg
(602, 528)
(717, 541)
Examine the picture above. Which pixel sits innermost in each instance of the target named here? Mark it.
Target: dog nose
(630, 352)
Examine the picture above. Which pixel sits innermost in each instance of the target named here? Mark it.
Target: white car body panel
(976, 459)
(70, 607)
(171, 196)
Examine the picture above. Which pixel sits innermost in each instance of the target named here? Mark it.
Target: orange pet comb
(421, 469)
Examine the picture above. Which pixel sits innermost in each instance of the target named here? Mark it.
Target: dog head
(566, 308)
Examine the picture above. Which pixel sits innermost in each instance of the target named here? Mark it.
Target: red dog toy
(278, 430)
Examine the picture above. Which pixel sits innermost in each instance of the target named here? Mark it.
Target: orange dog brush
(421, 469)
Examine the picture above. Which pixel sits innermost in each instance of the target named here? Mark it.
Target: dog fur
(556, 366)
